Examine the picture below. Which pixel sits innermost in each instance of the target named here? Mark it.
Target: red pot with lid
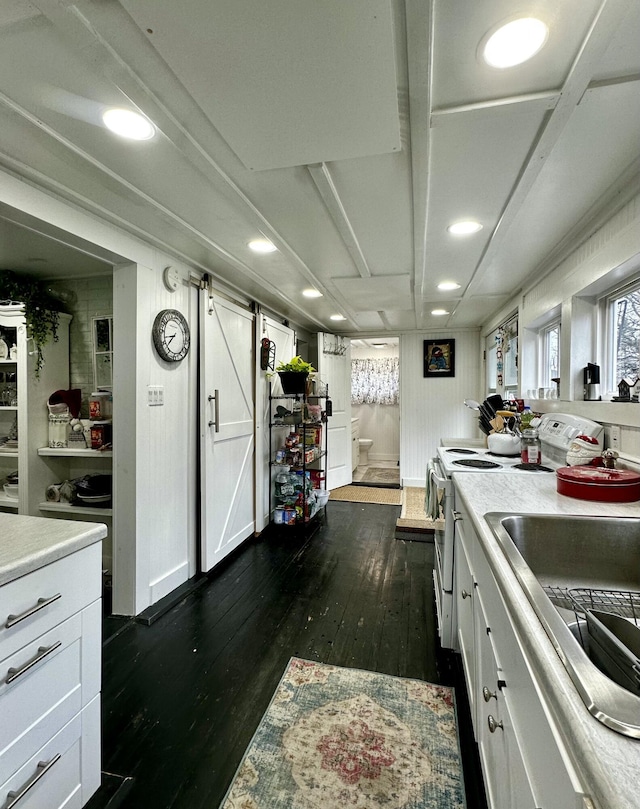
(599, 483)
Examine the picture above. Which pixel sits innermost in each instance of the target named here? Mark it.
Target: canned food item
(101, 434)
(100, 405)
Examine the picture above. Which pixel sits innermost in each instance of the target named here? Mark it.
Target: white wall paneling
(431, 409)
(153, 446)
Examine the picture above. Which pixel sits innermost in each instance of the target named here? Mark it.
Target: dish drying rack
(625, 603)
(607, 627)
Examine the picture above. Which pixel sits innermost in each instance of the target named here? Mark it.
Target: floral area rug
(335, 737)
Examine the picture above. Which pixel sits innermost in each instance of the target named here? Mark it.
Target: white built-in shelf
(9, 407)
(12, 454)
(71, 452)
(8, 362)
(8, 502)
(69, 509)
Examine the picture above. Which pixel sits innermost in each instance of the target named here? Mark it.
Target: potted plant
(40, 310)
(294, 374)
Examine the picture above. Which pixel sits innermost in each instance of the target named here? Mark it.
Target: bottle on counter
(530, 449)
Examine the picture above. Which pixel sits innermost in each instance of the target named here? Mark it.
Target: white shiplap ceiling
(350, 134)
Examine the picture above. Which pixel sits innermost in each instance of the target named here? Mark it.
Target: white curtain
(375, 381)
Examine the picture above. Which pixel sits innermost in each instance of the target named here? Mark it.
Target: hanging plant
(40, 309)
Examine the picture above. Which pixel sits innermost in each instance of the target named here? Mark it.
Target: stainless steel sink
(552, 554)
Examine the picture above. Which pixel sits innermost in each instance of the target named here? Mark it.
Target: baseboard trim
(157, 610)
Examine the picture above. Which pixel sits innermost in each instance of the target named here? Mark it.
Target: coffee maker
(592, 383)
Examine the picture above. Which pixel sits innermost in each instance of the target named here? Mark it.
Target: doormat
(335, 737)
(413, 517)
(367, 494)
(382, 476)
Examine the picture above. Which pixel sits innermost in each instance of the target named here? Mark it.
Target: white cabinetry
(524, 763)
(50, 683)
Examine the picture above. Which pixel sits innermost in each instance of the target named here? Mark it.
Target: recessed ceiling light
(379, 345)
(128, 124)
(337, 317)
(439, 312)
(445, 286)
(312, 293)
(262, 246)
(464, 228)
(514, 43)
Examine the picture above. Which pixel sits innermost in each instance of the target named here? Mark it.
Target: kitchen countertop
(607, 762)
(28, 543)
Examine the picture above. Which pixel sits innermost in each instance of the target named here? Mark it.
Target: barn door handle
(216, 410)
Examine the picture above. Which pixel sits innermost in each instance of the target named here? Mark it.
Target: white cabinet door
(284, 339)
(464, 595)
(335, 370)
(226, 427)
(505, 775)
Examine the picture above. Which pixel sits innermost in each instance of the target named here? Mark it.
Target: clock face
(171, 335)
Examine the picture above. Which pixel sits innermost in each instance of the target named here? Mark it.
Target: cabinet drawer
(53, 773)
(65, 587)
(41, 699)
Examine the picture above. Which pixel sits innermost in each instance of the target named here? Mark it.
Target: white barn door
(226, 427)
(335, 370)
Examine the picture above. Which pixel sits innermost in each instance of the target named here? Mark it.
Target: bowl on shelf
(11, 490)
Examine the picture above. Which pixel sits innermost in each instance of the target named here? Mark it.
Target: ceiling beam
(323, 180)
(551, 96)
(420, 27)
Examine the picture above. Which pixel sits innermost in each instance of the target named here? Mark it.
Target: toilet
(365, 446)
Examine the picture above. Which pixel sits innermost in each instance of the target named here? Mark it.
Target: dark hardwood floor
(183, 697)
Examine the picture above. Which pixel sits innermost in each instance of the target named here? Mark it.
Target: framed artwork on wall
(439, 358)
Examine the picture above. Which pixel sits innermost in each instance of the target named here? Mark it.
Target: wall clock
(170, 334)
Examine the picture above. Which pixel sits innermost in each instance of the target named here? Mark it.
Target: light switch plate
(615, 436)
(155, 395)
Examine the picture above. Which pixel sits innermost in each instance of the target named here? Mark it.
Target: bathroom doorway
(375, 411)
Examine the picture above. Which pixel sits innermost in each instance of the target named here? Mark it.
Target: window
(550, 354)
(623, 321)
(103, 352)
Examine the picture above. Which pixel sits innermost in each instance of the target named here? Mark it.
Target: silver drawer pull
(488, 695)
(41, 770)
(12, 620)
(43, 651)
(465, 594)
(493, 725)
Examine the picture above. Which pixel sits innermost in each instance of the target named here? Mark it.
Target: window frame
(544, 366)
(608, 313)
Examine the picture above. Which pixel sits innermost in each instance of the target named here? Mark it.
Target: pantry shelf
(71, 452)
(69, 509)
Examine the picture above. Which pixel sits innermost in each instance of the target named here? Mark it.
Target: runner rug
(367, 494)
(335, 737)
(413, 516)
